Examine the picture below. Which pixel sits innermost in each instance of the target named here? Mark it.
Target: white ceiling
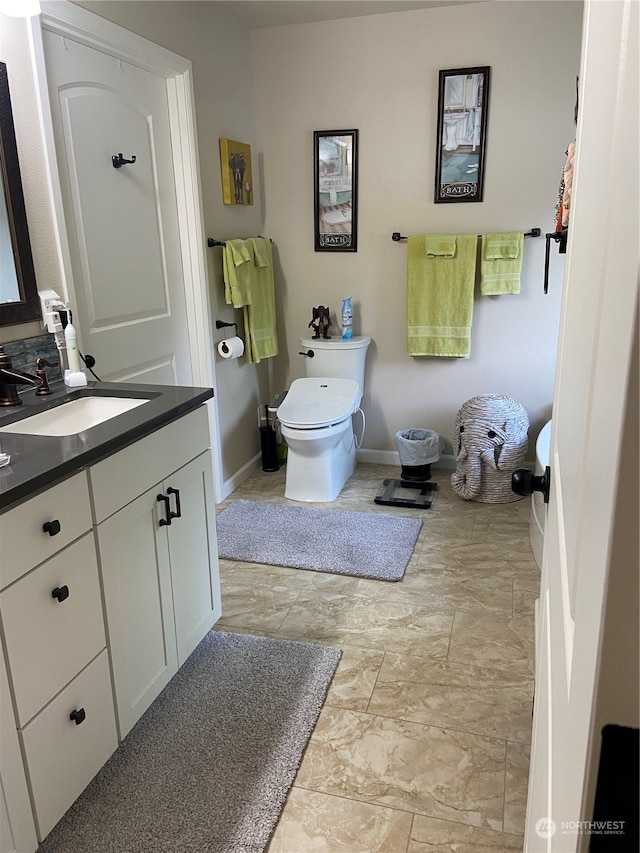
(256, 14)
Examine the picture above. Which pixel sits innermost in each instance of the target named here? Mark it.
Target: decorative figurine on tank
(320, 322)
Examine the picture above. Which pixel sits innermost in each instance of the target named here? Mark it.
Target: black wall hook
(118, 160)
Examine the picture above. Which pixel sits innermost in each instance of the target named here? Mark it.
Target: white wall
(380, 74)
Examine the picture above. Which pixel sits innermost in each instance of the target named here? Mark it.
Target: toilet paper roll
(231, 347)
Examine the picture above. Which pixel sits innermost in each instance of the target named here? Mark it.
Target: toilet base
(319, 462)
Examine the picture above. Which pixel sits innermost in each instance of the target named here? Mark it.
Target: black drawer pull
(51, 527)
(61, 593)
(78, 716)
(176, 492)
(167, 508)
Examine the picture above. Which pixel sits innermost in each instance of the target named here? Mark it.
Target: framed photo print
(237, 176)
(335, 190)
(463, 100)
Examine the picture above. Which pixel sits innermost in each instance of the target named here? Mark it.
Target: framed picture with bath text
(463, 101)
(335, 190)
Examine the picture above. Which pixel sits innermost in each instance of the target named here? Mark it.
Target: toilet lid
(315, 402)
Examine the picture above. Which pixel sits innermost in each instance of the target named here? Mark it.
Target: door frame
(66, 19)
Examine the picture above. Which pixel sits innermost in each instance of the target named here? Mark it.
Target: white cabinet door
(193, 554)
(17, 829)
(139, 607)
(161, 588)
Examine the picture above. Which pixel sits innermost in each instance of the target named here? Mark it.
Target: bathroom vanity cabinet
(108, 581)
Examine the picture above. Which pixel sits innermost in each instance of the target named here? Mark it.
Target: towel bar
(535, 232)
(211, 242)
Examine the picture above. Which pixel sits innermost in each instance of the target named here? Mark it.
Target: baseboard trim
(229, 486)
(447, 462)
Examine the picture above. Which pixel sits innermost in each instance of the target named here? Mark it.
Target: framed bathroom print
(335, 190)
(463, 100)
(237, 177)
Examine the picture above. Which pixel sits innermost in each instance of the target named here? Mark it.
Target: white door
(122, 223)
(599, 309)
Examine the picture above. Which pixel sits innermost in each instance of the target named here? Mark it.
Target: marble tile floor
(423, 740)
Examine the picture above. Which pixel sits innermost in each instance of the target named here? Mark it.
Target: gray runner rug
(362, 544)
(209, 765)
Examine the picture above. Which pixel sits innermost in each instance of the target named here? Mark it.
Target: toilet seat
(318, 402)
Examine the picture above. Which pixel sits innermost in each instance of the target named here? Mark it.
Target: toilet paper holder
(220, 324)
(234, 346)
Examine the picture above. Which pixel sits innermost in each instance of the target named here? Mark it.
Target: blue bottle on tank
(347, 318)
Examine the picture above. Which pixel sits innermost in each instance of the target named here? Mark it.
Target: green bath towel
(501, 263)
(440, 296)
(260, 316)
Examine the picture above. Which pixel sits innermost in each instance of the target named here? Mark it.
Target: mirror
(335, 190)
(19, 301)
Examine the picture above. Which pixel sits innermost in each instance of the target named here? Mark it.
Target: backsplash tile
(25, 351)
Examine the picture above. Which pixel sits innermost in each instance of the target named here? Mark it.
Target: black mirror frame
(335, 242)
(27, 308)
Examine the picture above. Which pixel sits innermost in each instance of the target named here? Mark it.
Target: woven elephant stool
(490, 440)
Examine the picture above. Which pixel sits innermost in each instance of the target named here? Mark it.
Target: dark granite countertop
(38, 462)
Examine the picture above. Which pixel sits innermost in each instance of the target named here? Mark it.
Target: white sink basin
(74, 417)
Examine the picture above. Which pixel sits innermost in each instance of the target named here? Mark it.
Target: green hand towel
(501, 263)
(238, 270)
(440, 298)
(440, 245)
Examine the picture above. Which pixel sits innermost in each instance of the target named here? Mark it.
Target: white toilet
(315, 418)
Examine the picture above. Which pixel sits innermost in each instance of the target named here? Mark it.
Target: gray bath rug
(208, 767)
(362, 544)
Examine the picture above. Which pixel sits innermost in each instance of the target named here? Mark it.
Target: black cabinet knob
(78, 716)
(61, 593)
(524, 482)
(51, 527)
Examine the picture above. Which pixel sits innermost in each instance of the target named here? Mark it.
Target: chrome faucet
(10, 377)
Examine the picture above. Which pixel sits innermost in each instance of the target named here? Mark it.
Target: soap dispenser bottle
(347, 318)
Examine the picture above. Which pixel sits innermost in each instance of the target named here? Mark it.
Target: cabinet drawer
(23, 541)
(49, 640)
(121, 478)
(63, 757)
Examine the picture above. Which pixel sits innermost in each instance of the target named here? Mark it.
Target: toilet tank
(337, 358)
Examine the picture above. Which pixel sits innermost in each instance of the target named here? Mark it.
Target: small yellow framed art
(237, 177)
